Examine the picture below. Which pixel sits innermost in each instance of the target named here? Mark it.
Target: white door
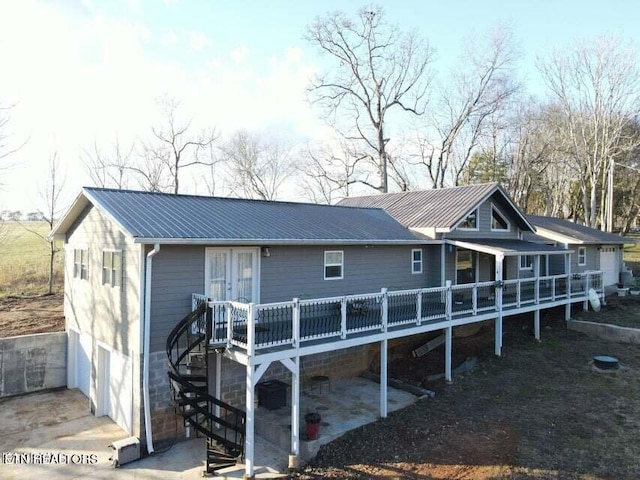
(80, 356)
(115, 387)
(120, 388)
(232, 274)
(609, 265)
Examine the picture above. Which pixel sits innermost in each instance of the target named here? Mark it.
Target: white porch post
(249, 425)
(536, 313)
(383, 378)
(498, 326)
(295, 413)
(448, 334)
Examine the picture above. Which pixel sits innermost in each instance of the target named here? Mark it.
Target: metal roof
(574, 231)
(438, 208)
(157, 217)
(510, 246)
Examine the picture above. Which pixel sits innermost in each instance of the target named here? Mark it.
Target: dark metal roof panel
(165, 216)
(579, 232)
(437, 208)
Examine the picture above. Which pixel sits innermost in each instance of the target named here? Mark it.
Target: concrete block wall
(29, 363)
(165, 423)
(343, 363)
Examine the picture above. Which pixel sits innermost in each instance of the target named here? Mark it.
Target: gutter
(145, 351)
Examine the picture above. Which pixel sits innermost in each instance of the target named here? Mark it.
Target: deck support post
(499, 287)
(448, 336)
(249, 425)
(383, 378)
(295, 413)
(536, 324)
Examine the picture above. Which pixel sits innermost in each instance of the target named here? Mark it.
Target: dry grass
(24, 260)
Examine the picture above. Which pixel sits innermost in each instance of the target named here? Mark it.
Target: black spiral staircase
(222, 425)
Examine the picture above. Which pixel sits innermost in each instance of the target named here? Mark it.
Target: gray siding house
(594, 249)
(158, 283)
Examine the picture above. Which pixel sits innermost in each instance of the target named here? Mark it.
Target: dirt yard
(621, 311)
(540, 411)
(26, 315)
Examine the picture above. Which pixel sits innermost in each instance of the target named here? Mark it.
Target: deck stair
(222, 425)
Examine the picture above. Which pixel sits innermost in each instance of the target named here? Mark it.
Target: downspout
(145, 351)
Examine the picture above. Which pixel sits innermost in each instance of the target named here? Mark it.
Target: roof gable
(166, 218)
(441, 209)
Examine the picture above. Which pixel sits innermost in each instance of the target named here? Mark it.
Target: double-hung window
(416, 260)
(112, 268)
(526, 262)
(333, 265)
(582, 256)
(81, 263)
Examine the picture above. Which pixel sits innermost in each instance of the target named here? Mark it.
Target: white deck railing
(258, 326)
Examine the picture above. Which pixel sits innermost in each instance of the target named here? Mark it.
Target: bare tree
(109, 170)
(50, 196)
(477, 91)
(174, 146)
(378, 72)
(597, 88)
(258, 168)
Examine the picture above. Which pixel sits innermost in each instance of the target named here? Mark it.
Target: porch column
(295, 413)
(383, 378)
(498, 323)
(249, 425)
(448, 334)
(536, 313)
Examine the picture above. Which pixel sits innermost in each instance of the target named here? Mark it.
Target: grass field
(24, 260)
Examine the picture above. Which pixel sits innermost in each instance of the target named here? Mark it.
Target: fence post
(449, 301)
(343, 319)
(295, 322)
(419, 308)
(229, 324)
(385, 309)
(251, 329)
(474, 299)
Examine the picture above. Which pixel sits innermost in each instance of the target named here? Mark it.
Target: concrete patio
(60, 422)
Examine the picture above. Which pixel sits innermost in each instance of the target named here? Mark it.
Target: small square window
(333, 265)
(582, 256)
(416, 260)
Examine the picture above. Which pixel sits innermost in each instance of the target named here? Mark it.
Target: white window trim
(530, 267)
(582, 263)
(80, 248)
(341, 264)
(110, 283)
(496, 210)
(466, 229)
(414, 262)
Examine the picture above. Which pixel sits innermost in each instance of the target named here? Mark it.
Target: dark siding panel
(484, 219)
(298, 271)
(178, 271)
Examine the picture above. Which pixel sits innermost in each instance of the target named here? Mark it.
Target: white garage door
(82, 344)
(609, 265)
(116, 384)
(121, 391)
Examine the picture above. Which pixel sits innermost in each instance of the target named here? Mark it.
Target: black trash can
(272, 394)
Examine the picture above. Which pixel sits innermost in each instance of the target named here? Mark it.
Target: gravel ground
(539, 411)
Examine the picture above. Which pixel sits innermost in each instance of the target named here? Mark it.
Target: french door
(232, 274)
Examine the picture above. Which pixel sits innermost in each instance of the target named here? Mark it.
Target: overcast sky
(79, 71)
